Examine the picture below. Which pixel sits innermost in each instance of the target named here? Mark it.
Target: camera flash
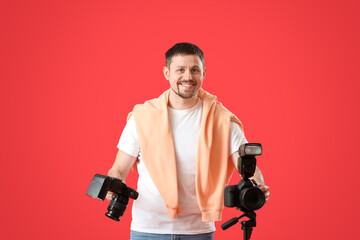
(250, 149)
(253, 150)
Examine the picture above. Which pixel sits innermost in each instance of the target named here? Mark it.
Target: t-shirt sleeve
(129, 140)
(237, 138)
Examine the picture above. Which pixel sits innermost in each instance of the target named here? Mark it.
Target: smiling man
(185, 74)
(184, 145)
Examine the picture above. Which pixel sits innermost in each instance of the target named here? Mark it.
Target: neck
(178, 103)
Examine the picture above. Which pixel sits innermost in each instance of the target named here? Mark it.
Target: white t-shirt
(149, 213)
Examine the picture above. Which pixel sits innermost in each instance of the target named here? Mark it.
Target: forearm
(117, 174)
(258, 177)
(122, 165)
(121, 168)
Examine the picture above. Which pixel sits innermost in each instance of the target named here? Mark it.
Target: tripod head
(247, 226)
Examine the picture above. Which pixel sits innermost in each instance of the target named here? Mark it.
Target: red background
(72, 70)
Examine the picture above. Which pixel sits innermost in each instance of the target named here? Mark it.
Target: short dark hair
(183, 48)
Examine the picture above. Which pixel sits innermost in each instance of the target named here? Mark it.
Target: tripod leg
(247, 232)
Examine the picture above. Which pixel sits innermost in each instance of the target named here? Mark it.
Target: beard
(185, 95)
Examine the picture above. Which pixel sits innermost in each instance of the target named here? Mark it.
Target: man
(184, 146)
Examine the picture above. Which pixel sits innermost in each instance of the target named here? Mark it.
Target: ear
(166, 72)
(204, 73)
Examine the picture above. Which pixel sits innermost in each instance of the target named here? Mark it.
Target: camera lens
(252, 198)
(117, 207)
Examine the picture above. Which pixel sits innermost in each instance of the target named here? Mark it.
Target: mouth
(187, 84)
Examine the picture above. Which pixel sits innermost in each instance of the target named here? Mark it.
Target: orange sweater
(213, 168)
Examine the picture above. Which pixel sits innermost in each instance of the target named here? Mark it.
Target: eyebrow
(191, 67)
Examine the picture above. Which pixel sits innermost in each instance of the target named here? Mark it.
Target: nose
(188, 75)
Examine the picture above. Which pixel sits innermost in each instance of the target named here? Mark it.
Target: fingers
(109, 195)
(265, 190)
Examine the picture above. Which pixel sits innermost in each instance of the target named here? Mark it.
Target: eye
(195, 70)
(181, 70)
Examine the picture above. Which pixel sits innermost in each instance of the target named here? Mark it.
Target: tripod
(247, 226)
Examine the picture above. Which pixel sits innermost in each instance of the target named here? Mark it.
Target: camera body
(99, 187)
(246, 195)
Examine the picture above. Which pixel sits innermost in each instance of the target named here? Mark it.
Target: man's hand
(109, 195)
(259, 180)
(263, 188)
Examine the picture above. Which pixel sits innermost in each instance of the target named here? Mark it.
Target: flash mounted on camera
(246, 195)
(99, 187)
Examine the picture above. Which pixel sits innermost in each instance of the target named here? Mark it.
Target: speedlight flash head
(247, 160)
(250, 149)
(99, 187)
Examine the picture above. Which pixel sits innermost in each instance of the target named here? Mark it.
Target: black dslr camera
(246, 195)
(99, 187)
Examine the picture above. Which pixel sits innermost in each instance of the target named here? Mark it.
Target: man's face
(185, 75)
